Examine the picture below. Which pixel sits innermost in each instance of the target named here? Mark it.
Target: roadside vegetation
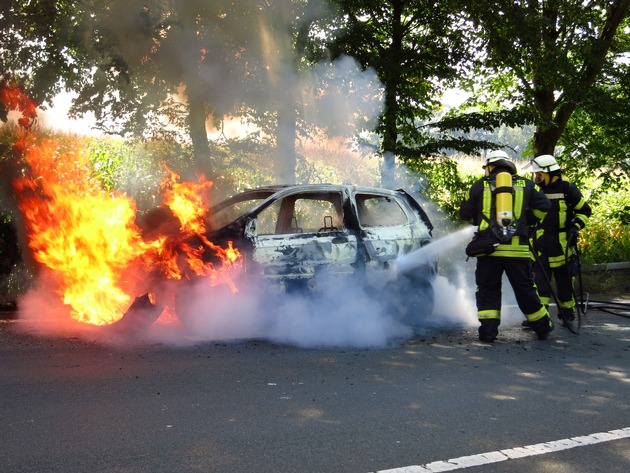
(136, 169)
(606, 238)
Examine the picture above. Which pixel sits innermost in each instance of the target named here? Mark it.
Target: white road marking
(512, 453)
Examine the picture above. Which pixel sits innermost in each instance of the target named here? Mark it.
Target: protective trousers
(488, 277)
(564, 284)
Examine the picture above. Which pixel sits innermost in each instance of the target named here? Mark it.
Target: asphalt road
(69, 405)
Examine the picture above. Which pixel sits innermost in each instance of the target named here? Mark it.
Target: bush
(606, 238)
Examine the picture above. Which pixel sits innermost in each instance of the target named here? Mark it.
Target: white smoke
(341, 313)
(454, 290)
(342, 98)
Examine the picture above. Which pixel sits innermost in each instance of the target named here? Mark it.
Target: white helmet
(544, 163)
(500, 158)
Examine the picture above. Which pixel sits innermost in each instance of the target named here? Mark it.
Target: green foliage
(542, 62)
(38, 46)
(149, 68)
(606, 237)
(134, 167)
(605, 242)
(595, 142)
(415, 47)
(442, 182)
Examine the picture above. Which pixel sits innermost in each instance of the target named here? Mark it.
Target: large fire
(87, 240)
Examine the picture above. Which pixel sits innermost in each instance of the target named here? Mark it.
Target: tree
(274, 104)
(415, 47)
(144, 68)
(168, 66)
(543, 60)
(41, 47)
(155, 68)
(596, 140)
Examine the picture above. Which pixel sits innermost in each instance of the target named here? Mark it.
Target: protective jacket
(568, 208)
(512, 254)
(530, 206)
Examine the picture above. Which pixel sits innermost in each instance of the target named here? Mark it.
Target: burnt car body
(297, 236)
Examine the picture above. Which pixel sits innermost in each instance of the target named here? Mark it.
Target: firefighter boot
(568, 315)
(488, 330)
(542, 327)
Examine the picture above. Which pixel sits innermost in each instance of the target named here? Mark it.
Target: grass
(613, 282)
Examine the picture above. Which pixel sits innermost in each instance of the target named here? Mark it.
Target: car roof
(272, 189)
(266, 192)
(280, 190)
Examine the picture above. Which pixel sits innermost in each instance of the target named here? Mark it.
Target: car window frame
(402, 206)
(286, 223)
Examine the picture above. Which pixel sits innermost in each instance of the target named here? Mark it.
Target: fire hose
(572, 259)
(566, 322)
(620, 309)
(575, 270)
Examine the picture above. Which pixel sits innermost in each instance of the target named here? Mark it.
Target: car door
(303, 235)
(388, 231)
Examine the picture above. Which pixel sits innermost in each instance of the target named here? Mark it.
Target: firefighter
(560, 229)
(508, 231)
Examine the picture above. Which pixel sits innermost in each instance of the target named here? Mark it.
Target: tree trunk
(285, 143)
(556, 117)
(545, 141)
(390, 137)
(198, 133)
(192, 56)
(390, 116)
(284, 71)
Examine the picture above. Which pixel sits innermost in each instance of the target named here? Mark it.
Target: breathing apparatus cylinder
(503, 192)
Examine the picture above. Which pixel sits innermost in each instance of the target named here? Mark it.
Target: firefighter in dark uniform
(509, 237)
(559, 230)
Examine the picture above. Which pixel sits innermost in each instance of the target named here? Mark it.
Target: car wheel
(193, 299)
(142, 313)
(412, 300)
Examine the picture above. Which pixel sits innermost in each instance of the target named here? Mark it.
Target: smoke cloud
(338, 96)
(340, 313)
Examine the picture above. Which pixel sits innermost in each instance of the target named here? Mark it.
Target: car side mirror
(251, 228)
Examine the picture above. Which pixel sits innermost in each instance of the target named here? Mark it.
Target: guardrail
(606, 266)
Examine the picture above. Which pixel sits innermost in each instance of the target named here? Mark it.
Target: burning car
(301, 237)
(99, 262)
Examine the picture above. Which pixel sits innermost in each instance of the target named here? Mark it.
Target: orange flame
(14, 99)
(88, 240)
(83, 234)
(188, 202)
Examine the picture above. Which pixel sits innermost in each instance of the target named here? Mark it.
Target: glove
(572, 236)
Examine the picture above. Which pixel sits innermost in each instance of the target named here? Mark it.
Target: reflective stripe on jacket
(530, 206)
(568, 207)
